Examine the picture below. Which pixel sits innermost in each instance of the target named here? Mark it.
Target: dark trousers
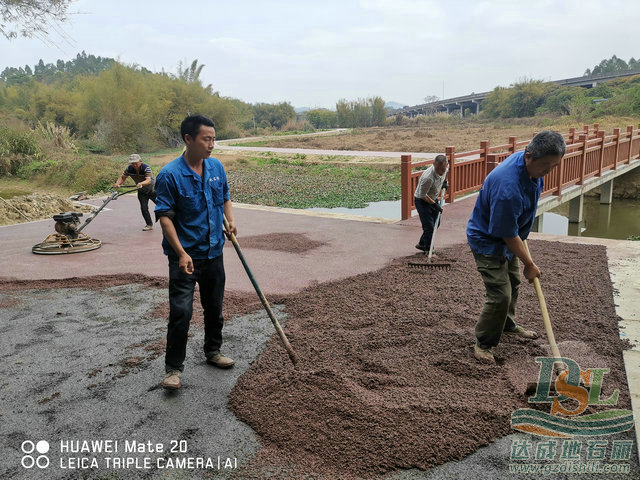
(428, 215)
(502, 282)
(211, 278)
(145, 194)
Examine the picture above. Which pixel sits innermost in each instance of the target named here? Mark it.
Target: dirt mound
(36, 206)
(387, 378)
(284, 242)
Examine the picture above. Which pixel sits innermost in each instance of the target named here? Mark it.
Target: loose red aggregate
(284, 242)
(387, 378)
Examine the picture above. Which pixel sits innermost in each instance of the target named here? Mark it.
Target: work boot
(147, 228)
(484, 355)
(172, 380)
(522, 332)
(220, 361)
(421, 247)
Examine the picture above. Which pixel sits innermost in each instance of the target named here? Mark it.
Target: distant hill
(394, 105)
(301, 109)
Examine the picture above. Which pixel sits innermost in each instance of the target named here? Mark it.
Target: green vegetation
(274, 181)
(256, 143)
(528, 98)
(620, 97)
(322, 118)
(267, 115)
(364, 112)
(614, 64)
(634, 237)
(110, 107)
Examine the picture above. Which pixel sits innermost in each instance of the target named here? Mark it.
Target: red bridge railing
(590, 152)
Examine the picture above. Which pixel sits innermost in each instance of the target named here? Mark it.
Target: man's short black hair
(191, 125)
(546, 143)
(441, 159)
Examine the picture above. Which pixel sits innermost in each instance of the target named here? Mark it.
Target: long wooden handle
(545, 313)
(435, 227)
(265, 303)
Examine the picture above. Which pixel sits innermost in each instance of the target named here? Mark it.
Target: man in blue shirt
(502, 218)
(192, 196)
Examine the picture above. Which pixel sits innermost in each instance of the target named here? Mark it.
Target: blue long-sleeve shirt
(505, 207)
(196, 205)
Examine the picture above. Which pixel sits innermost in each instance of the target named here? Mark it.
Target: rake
(430, 264)
(265, 302)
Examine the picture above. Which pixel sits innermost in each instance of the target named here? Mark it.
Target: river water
(618, 220)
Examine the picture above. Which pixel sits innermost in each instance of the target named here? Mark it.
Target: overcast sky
(314, 53)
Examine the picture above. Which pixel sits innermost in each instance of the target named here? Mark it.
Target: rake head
(428, 266)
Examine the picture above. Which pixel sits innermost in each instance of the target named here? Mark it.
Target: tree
(378, 112)
(31, 18)
(273, 115)
(322, 118)
(520, 100)
(192, 73)
(364, 112)
(564, 100)
(612, 65)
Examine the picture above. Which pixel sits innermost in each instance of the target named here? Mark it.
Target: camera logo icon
(29, 448)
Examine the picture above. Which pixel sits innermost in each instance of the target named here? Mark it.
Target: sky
(312, 54)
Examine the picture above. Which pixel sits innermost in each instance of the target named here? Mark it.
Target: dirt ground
(36, 206)
(434, 136)
(388, 380)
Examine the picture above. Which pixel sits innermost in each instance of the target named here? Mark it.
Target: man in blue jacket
(192, 196)
(502, 218)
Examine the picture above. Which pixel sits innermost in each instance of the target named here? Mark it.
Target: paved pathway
(351, 247)
(224, 145)
(343, 153)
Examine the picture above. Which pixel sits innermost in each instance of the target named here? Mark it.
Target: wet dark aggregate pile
(387, 378)
(284, 242)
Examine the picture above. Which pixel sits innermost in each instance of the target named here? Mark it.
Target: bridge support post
(606, 193)
(537, 223)
(575, 229)
(576, 209)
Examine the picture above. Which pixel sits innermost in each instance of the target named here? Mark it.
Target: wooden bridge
(472, 102)
(593, 159)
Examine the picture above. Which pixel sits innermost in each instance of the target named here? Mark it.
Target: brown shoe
(172, 380)
(522, 332)
(220, 361)
(483, 355)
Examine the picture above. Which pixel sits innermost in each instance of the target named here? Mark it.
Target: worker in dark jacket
(501, 220)
(142, 176)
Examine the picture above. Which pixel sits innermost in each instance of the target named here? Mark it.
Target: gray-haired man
(502, 218)
(426, 198)
(141, 174)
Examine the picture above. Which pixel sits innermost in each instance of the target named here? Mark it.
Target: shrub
(17, 149)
